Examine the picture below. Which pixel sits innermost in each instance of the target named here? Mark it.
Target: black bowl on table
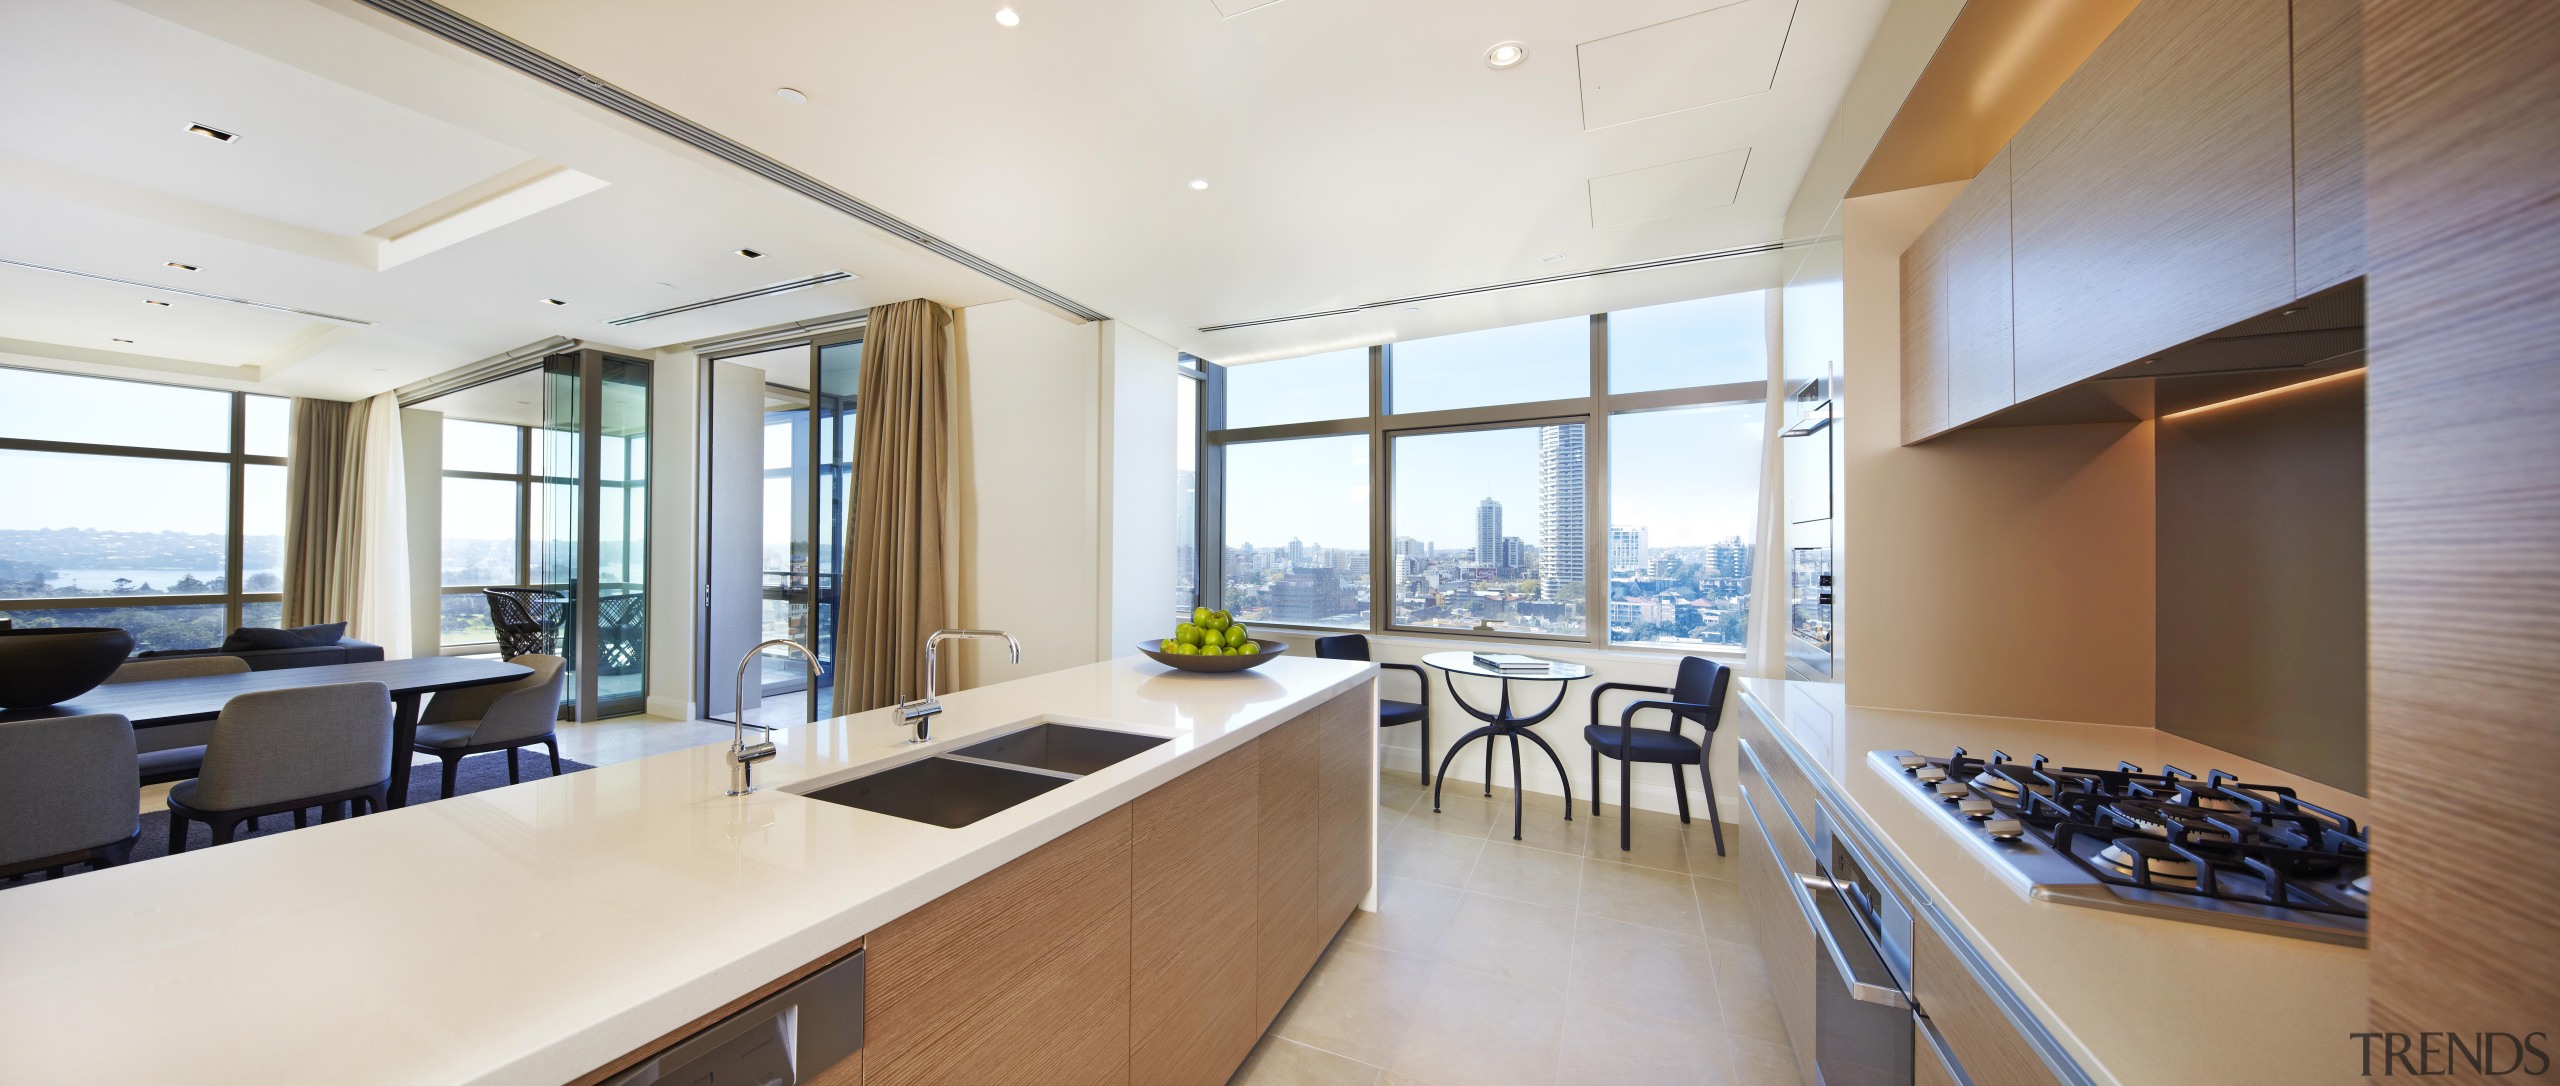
(1155, 651)
(55, 664)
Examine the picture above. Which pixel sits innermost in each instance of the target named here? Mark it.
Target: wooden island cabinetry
(1151, 945)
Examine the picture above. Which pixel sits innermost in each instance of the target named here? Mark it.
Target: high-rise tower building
(1489, 533)
(1626, 549)
(1560, 542)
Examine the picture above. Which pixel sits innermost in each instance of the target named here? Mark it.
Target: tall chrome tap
(742, 758)
(920, 712)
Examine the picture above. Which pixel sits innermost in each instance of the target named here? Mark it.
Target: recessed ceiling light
(1199, 184)
(1507, 54)
(1008, 17)
(215, 134)
(790, 96)
(553, 301)
(1550, 258)
(182, 267)
(120, 339)
(2292, 311)
(155, 301)
(749, 253)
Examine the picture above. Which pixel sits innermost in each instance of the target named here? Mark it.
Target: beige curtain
(895, 573)
(323, 490)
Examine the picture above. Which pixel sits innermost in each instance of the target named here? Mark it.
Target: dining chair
(178, 749)
(1390, 712)
(527, 620)
(506, 716)
(1697, 696)
(67, 794)
(288, 750)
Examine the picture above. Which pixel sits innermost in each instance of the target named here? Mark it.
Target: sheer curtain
(897, 572)
(1765, 654)
(346, 552)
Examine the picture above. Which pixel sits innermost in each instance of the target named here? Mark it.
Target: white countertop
(2136, 999)
(533, 933)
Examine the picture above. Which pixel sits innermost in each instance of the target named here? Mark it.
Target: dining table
(156, 703)
(1505, 721)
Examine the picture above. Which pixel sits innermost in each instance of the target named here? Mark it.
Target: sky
(1691, 475)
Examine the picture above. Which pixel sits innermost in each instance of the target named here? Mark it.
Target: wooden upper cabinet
(2328, 143)
(1021, 976)
(1981, 359)
(2152, 197)
(1924, 336)
(1192, 901)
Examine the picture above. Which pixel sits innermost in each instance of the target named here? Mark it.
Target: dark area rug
(480, 773)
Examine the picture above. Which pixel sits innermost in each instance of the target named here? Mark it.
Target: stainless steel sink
(956, 788)
(1063, 748)
(946, 792)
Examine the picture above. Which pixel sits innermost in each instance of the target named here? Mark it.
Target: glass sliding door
(591, 525)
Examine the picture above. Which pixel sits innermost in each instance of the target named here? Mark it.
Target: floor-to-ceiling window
(485, 531)
(1591, 479)
(155, 508)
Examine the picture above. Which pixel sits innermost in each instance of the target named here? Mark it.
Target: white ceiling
(1354, 152)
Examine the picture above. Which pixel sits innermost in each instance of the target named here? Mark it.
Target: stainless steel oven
(1848, 1012)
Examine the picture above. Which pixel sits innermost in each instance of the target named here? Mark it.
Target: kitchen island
(2128, 999)
(546, 932)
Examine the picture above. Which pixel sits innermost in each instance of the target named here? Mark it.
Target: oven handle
(1808, 889)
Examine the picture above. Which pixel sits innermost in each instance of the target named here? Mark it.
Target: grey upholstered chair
(174, 752)
(504, 716)
(67, 793)
(288, 750)
(177, 667)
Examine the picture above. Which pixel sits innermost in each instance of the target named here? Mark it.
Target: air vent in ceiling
(158, 288)
(759, 292)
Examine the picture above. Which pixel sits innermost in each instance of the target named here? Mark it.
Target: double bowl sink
(959, 787)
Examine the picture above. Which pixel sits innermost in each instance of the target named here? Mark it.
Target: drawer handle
(1864, 991)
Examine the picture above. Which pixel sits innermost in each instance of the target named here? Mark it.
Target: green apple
(1212, 650)
(1235, 636)
(1181, 648)
(1200, 616)
(1249, 649)
(1183, 632)
(1218, 620)
(1200, 636)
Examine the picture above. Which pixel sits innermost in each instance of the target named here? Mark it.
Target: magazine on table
(1507, 661)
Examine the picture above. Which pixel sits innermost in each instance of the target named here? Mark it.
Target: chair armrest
(1604, 688)
(1421, 678)
(1679, 711)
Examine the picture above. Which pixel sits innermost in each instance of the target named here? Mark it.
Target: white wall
(675, 395)
(1136, 421)
(422, 465)
(1025, 466)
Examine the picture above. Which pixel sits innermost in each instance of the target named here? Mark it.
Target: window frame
(1383, 425)
(525, 479)
(234, 598)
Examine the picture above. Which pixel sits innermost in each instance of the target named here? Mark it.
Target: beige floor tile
(1278, 1061)
(1721, 908)
(1521, 873)
(1640, 895)
(1549, 830)
(1412, 916)
(1356, 1002)
(1760, 1063)
(1516, 941)
(1655, 845)
(1470, 1029)
(1648, 970)
(1416, 851)
(1742, 985)
(1463, 812)
(1609, 1046)
(1700, 845)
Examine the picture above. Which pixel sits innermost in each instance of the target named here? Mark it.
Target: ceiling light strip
(184, 292)
(1614, 269)
(759, 292)
(453, 27)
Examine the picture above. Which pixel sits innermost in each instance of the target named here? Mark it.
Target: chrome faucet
(742, 758)
(920, 712)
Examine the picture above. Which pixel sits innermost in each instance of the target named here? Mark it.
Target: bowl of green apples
(1211, 641)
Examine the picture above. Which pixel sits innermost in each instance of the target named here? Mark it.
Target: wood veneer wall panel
(1192, 906)
(1289, 933)
(1347, 825)
(1021, 976)
(2463, 506)
(2152, 196)
(1991, 1050)
(2328, 143)
(1981, 356)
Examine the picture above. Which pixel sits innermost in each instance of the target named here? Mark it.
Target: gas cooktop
(2211, 849)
